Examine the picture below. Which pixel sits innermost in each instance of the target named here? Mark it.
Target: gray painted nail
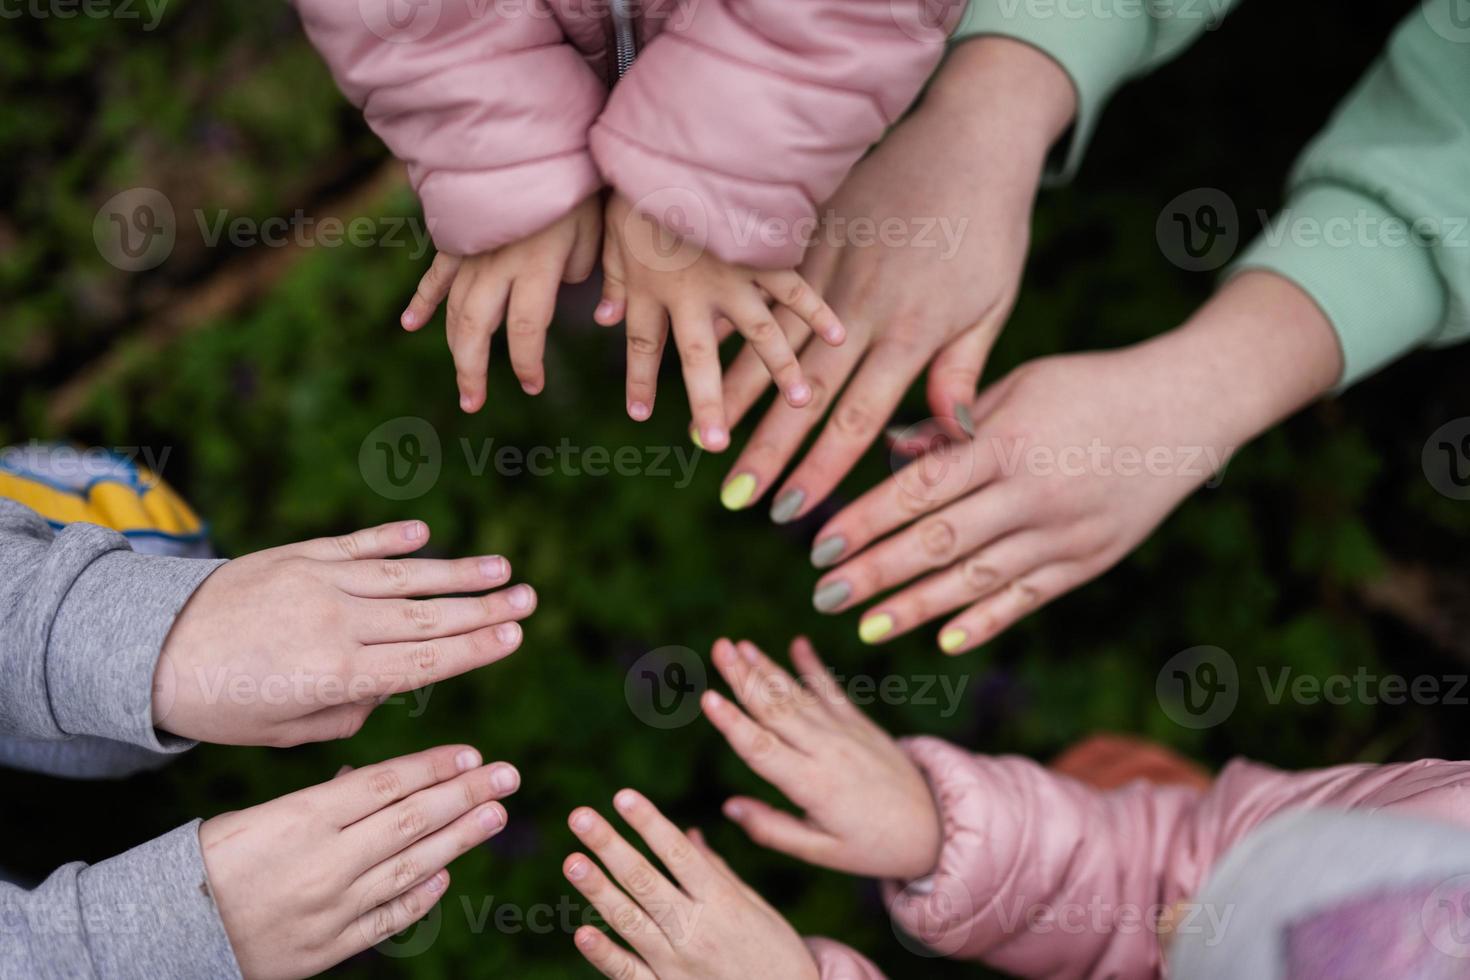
(828, 550)
(830, 596)
(965, 419)
(786, 506)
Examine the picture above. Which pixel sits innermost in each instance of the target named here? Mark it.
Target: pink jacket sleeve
(489, 113)
(1042, 876)
(743, 116)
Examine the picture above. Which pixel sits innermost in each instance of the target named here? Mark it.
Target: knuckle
(979, 575)
(395, 575)
(762, 331)
(797, 295)
(424, 615)
(698, 349)
(524, 326)
(854, 420)
(411, 822)
(409, 907)
(383, 923)
(642, 345)
(762, 745)
(624, 970)
(681, 852)
(347, 546)
(469, 798)
(426, 656)
(625, 919)
(937, 537)
(385, 784)
(641, 881)
(405, 872)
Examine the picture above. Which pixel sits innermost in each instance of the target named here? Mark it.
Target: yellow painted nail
(738, 492)
(952, 639)
(874, 628)
(694, 437)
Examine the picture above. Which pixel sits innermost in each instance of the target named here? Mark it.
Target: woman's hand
(867, 810)
(305, 881)
(921, 256)
(1075, 460)
(300, 643)
(705, 924)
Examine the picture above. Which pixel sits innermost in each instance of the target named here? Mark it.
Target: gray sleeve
(82, 621)
(144, 914)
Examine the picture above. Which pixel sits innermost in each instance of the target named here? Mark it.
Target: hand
(1075, 461)
(707, 924)
(517, 283)
(300, 643)
(867, 808)
(652, 278)
(305, 881)
(948, 198)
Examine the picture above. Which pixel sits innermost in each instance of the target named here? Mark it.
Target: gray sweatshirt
(82, 620)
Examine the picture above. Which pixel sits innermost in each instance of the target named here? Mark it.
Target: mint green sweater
(1377, 224)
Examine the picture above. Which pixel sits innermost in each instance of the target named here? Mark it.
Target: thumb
(954, 376)
(614, 305)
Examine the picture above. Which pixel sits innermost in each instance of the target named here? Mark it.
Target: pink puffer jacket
(1044, 877)
(738, 119)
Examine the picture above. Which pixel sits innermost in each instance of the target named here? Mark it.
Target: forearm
(145, 914)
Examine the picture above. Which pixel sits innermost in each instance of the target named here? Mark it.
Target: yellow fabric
(152, 506)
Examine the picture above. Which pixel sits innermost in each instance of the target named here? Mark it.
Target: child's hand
(706, 924)
(305, 881)
(300, 643)
(517, 283)
(653, 278)
(868, 810)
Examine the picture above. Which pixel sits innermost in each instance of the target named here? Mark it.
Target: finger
(397, 668)
(779, 831)
(394, 830)
(790, 290)
(394, 917)
(998, 612)
(860, 415)
(759, 747)
(954, 375)
(402, 869)
(770, 694)
(476, 307)
(783, 429)
(669, 844)
(614, 304)
(988, 570)
(763, 333)
(582, 259)
(403, 577)
(532, 306)
(610, 959)
(746, 378)
(699, 355)
(936, 541)
(432, 289)
(648, 331)
(336, 723)
(383, 541)
(816, 676)
(617, 910)
(645, 884)
(398, 620)
(949, 471)
(354, 795)
(720, 865)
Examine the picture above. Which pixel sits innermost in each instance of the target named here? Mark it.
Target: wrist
(1007, 89)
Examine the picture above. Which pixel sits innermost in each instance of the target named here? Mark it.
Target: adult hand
(1075, 460)
(921, 257)
(300, 643)
(866, 808)
(305, 881)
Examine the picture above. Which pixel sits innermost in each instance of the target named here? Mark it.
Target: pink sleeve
(1043, 876)
(489, 113)
(838, 962)
(743, 116)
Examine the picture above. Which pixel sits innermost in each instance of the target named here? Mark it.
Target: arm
(817, 83)
(490, 113)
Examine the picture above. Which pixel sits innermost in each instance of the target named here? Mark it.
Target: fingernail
(409, 320)
(577, 870)
(832, 595)
(494, 568)
(605, 310)
(530, 388)
(694, 438)
(828, 550)
(738, 492)
(714, 438)
(436, 883)
(734, 810)
(952, 639)
(414, 531)
(874, 628)
(748, 652)
(786, 506)
(520, 598)
(505, 779)
(465, 404)
(625, 800)
(965, 419)
(466, 760)
(509, 634)
(586, 938)
(836, 333)
(714, 699)
(581, 820)
(639, 411)
(799, 394)
(491, 817)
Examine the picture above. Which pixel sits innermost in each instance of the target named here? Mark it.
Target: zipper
(625, 35)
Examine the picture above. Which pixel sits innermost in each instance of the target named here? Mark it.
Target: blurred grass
(225, 107)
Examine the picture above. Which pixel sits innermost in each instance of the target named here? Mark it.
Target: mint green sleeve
(1377, 223)
(1100, 44)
